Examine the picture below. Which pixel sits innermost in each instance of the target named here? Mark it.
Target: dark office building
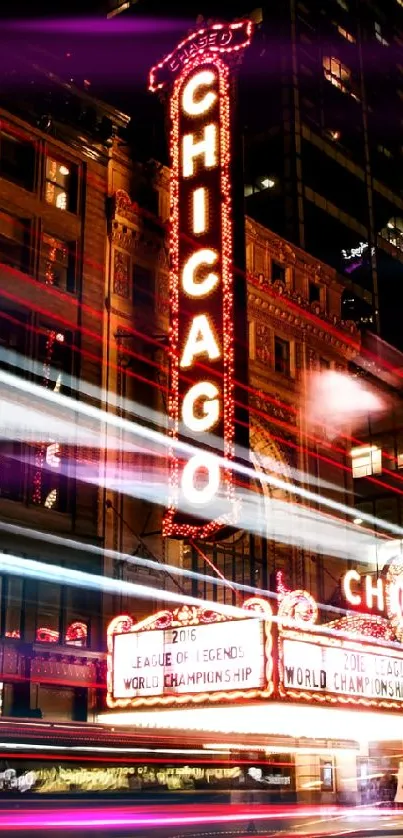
(321, 98)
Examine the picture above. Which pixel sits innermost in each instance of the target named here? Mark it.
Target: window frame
(72, 192)
(9, 132)
(24, 263)
(367, 463)
(71, 266)
(285, 343)
(333, 73)
(275, 265)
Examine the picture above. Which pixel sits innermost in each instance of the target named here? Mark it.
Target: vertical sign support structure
(201, 405)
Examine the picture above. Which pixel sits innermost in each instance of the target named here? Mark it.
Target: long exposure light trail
(272, 519)
(138, 561)
(157, 817)
(32, 569)
(316, 441)
(253, 409)
(134, 431)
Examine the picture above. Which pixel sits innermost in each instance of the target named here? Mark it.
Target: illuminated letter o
(211, 407)
(190, 105)
(199, 289)
(208, 492)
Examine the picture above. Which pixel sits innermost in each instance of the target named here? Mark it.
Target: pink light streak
(88, 818)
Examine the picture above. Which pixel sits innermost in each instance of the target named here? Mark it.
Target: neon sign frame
(186, 616)
(200, 55)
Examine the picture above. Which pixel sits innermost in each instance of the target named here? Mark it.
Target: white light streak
(77, 422)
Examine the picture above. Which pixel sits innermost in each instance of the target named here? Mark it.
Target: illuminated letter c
(199, 289)
(193, 106)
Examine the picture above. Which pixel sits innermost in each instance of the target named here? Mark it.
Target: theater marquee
(201, 405)
(190, 655)
(194, 655)
(332, 670)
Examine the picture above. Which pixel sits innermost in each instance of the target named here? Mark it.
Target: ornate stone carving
(121, 274)
(125, 208)
(122, 236)
(295, 314)
(263, 343)
(313, 360)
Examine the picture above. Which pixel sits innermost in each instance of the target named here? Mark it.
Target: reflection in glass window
(59, 184)
(49, 464)
(13, 241)
(56, 266)
(48, 613)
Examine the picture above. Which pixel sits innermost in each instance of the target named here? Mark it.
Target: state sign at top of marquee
(201, 403)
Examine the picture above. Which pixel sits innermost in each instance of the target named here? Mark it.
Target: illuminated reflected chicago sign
(189, 656)
(201, 404)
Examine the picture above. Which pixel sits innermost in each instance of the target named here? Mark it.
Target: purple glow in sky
(93, 26)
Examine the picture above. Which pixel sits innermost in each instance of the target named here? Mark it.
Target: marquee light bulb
(206, 147)
(199, 210)
(201, 462)
(192, 104)
(206, 285)
(207, 391)
(200, 341)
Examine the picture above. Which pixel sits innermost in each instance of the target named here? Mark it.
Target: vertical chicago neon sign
(201, 404)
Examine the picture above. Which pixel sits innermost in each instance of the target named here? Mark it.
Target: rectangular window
(61, 184)
(378, 34)
(388, 447)
(17, 159)
(55, 354)
(385, 151)
(57, 263)
(13, 345)
(314, 293)
(14, 607)
(277, 272)
(11, 470)
(48, 613)
(77, 610)
(366, 460)
(14, 241)
(338, 74)
(326, 775)
(282, 356)
(143, 289)
(49, 462)
(345, 34)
